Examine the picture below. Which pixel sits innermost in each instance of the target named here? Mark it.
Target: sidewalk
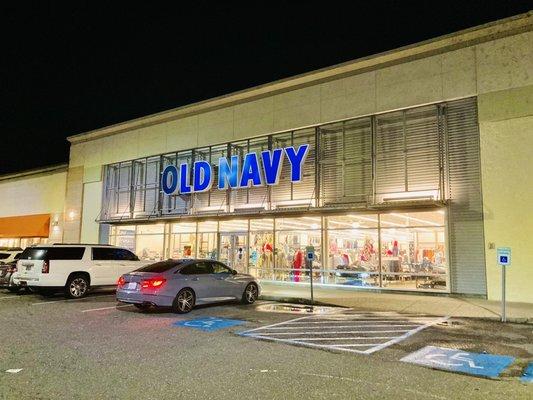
(401, 302)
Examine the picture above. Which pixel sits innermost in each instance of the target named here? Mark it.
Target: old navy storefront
(389, 201)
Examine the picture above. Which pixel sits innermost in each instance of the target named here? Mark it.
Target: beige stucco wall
(42, 193)
(506, 134)
(493, 66)
(500, 72)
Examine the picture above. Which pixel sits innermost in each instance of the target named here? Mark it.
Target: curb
(305, 301)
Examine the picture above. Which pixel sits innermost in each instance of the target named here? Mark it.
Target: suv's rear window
(53, 253)
(161, 266)
(3, 256)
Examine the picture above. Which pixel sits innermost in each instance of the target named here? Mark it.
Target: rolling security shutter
(467, 249)
(407, 151)
(346, 162)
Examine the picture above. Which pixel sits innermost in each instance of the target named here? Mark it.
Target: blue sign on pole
(488, 365)
(527, 376)
(209, 324)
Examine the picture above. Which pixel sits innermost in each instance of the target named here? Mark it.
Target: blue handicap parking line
(487, 365)
(527, 376)
(209, 324)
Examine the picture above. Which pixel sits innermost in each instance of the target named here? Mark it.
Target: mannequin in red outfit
(297, 264)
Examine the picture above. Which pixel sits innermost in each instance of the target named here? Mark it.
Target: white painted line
(292, 341)
(406, 335)
(355, 345)
(62, 301)
(340, 338)
(370, 321)
(330, 332)
(107, 308)
(341, 326)
(13, 370)
(279, 323)
(10, 297)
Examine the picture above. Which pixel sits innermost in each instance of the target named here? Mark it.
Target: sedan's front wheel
(250, 294)
(184, 301)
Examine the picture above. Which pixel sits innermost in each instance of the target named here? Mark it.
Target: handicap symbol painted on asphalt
(209, 324)
(488, 365)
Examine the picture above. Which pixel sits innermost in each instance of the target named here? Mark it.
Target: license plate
(131, 286)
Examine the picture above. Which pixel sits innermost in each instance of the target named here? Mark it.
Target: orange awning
(37, 225)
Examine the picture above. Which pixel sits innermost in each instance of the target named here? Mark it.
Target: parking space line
(10, 297)
(341, 326)
(107, 308)
(62, 301)
(362, 333)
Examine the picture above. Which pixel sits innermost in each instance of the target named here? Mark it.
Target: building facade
(402, 171)
(32, 206)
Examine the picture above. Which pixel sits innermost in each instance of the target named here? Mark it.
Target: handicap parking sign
(209, 324)
(487, 365)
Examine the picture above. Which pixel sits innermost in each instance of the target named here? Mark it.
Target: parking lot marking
(10, 297)
(62, 301)
(209, 324)
(350, 331)
(107, 308)
(480, 364)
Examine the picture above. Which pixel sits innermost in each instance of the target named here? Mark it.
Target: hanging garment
(297, 264)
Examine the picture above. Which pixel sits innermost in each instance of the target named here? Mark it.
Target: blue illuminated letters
(255, 171)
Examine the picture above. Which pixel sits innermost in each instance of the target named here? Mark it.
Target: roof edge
(56, 168)
(460, 39)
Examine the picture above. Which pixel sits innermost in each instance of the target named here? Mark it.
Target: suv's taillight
(46, 267)
(121, 281)
(153, 283)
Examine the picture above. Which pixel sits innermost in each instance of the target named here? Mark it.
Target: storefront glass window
(414, 257)
(293, 235)
(261, 249)
(353, 257)
(123, 236)
(150, 242)
(207, 240)
(183, 240)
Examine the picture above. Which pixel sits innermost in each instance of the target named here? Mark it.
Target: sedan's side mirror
(233, 272)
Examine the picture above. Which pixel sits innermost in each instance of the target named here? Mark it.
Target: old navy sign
(255, 170)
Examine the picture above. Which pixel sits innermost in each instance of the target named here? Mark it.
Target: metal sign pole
(311, 280)
(504, 260)
(504, 319)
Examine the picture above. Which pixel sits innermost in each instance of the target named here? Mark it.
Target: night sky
(67, 70)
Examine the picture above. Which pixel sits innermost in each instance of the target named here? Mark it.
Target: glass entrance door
(233, 250)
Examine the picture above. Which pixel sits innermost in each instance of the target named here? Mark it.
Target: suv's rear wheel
(77, 286)
(184, 301)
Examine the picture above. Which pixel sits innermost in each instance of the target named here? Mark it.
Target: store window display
(123, 236)
(293, 235)
(413, 251)
(261, 239)
(183, 240)
(353, 257)
(150, 242)
(207, 240)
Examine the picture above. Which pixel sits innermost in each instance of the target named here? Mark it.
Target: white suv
(74, 268)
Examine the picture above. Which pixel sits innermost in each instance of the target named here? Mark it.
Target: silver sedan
(181, 284)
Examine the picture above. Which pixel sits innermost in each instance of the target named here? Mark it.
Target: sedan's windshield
(161, 266)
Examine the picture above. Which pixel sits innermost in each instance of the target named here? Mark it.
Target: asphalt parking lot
(94, 348)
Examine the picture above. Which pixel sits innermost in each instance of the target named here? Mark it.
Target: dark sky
(67, 70)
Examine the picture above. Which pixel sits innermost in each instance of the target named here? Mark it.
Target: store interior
(393, 250)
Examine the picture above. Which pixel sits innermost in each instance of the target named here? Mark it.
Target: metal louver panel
(408, 151)
(346, 162)
(467, 249)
